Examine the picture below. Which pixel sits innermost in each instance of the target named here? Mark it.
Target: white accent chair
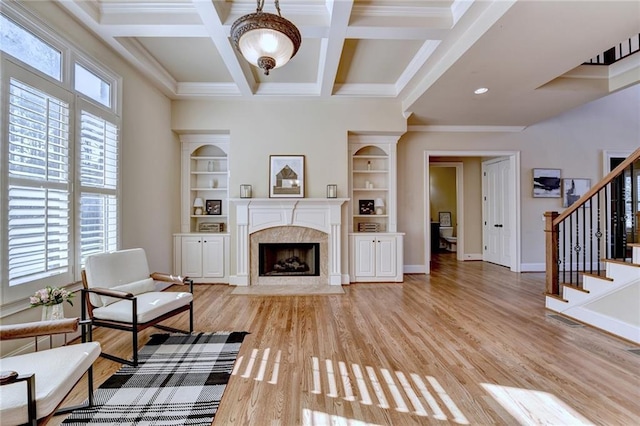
(33, 385)
(120, 293)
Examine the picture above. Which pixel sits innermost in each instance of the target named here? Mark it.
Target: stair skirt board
(611, 325)
(634, 351)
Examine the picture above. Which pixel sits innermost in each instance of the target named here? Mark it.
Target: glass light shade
(266, 42)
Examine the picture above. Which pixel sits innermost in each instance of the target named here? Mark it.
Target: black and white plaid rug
(178, 381)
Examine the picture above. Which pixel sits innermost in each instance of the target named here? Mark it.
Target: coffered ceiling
(428, 55)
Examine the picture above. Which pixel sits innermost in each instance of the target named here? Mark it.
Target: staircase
(593, 254)
(610, 302)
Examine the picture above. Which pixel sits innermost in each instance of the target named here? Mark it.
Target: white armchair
(120, 293)
(33, 385)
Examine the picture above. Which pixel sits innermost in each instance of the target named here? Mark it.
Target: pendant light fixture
(266, 40)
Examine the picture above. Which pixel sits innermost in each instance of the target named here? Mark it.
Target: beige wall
(316, 129)
(573, 142)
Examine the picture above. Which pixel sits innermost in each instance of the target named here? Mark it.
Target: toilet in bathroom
(447, 239)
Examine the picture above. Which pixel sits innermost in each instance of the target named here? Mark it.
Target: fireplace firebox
(289, 259)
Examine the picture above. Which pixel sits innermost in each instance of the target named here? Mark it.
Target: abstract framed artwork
(213, 207)
(573, 189)
(546, 183)
(286, 176)
(366, 207)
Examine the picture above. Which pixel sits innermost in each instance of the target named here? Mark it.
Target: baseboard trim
(414, 269)
(533, 267)
(472, 256)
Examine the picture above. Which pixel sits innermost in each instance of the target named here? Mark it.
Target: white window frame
(16, 299)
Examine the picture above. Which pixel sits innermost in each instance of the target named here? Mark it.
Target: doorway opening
(472, 203)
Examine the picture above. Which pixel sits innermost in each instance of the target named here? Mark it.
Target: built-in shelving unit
(201, 250)
(375, 246)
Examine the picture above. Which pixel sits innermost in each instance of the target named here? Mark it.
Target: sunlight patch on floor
(531, 407)
(409, 393)
(318, 418)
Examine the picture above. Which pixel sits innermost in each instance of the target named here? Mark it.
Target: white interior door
(497, 227)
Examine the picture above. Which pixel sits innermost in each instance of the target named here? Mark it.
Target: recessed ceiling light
(480, 90)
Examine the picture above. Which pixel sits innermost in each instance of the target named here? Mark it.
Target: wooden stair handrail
(597, 187)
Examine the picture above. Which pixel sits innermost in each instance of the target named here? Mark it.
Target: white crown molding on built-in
(467, 129)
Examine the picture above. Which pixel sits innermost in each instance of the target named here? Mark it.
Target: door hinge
(485, 247)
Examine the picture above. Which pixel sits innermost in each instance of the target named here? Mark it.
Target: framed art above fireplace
(286, 176)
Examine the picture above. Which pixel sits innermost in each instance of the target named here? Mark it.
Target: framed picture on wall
(444, 218)
(546, 183)
(573, 189)
(286, 176)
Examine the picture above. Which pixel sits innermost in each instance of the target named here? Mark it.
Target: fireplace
(289, 259)
(301, 255)
(288, 221)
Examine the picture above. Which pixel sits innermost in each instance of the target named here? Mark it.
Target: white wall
(573, 142)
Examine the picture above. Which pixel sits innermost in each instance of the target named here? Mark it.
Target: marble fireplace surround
(286, 220)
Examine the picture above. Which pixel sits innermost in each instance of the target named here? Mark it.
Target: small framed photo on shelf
(213, 207)
(573, 189)
(286, 176)
(367, 207)
(444, 218)
(546, 183)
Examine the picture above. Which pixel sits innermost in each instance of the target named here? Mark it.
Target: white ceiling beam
(134, 30)
(331, 48)
(212, 22)
(395, 33)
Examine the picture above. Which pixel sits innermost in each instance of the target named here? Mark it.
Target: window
(21, 44)
(58, 160)
(91, 85)
(98, 180)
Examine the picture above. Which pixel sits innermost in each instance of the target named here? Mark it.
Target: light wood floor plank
(469, 344)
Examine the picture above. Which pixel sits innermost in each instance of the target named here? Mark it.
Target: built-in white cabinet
(376, 257)
(201, 250)
(202, 257)
(375, 246)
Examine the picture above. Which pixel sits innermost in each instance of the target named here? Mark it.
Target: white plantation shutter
(59, 141)
(38, 215)
(98, 180)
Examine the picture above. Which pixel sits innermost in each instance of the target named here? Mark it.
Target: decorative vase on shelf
(52, 312)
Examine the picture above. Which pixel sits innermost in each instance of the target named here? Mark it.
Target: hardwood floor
(470, 344)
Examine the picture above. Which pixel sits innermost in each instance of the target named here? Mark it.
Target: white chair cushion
(150, 306)
(135, 288)
(113, 269)
(57, 371)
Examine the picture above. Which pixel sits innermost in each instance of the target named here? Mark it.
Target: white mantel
(256, 214)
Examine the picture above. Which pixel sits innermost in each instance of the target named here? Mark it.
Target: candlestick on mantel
(332, 191)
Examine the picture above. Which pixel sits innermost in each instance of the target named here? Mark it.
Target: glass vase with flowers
(51, 299)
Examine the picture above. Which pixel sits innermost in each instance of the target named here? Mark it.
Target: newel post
(551, 249)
